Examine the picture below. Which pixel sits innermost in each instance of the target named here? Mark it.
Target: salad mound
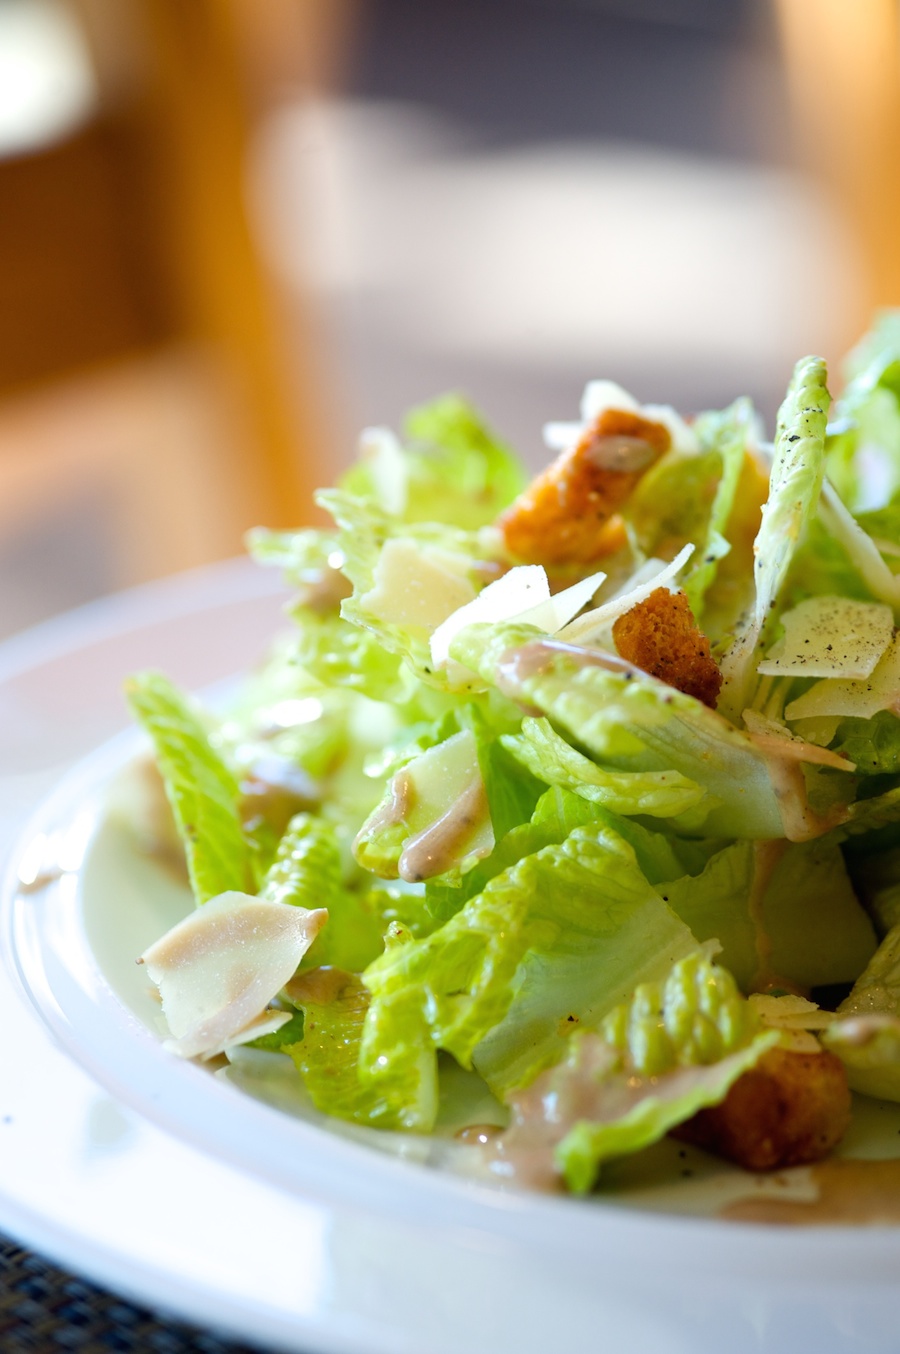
(589, 785)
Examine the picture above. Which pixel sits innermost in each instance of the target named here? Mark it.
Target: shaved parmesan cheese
(790, 1012)
(522, 589)
(561, 436)
(830, 637)
(593, 624)
(862, 699)
(267, 1023)
(523, 595)
(219, 968)
(559, 609)
(414, 587)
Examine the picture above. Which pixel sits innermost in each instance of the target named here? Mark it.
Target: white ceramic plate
(154, 1178)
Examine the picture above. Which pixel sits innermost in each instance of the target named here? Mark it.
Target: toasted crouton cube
(568, 514)
(791, 1109)
(661, 637)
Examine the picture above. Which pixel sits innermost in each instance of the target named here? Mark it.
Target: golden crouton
(661, 637)
(790, 1109)
(567, 515)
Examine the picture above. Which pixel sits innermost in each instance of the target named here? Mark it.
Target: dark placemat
(44, 1310)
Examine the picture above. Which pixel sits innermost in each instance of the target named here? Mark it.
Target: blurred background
(233, 232)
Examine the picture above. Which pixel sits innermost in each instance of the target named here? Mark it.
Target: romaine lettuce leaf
(629, 721)
(795, 484)
(864, 450)
(873, 745)
(304, 556)
(407, 578)
(677, 1045)
(866, 1036)
(729, 434)
(453, 469)
(201, 788)
(400, 1092)
(337, 653)
(785, 915)
(659, 794)
(307, 872)
(691, 498)
(883, 524)
(565, 931)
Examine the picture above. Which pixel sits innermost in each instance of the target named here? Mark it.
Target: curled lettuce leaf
(406, 578)
(336, 653)
(693, 497)
(730, 434)
(307, 872)
(872, 745)
(630, 722)
(201, 788)
(788, 917)
(400, 1092)
(675, 1047)
(453, 469)
(864, 448)
(795, 484)
(659, 794)
(304, 556)
(563, 932)
(866, 1035)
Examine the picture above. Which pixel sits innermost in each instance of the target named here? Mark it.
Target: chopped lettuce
(308, 872)
(491, 840)
(453, 469)
(795, 483)
(629, 721)
(564, 932)
(660, 794)
(784, 918)
(677, 1045)
(201, 788)
(867, 1034)
(400, 1092)
(864, 448)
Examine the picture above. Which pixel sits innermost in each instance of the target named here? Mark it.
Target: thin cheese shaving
(218, 969)
(521, 595)
(841, 698)
(830, 637)
(594, 625)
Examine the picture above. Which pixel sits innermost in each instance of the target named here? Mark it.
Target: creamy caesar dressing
(439, 846)
(799, 820)
(766, 856)
(533, 659)
(393, 810)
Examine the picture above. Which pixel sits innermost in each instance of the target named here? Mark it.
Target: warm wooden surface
(129, 270)
(843, 66)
